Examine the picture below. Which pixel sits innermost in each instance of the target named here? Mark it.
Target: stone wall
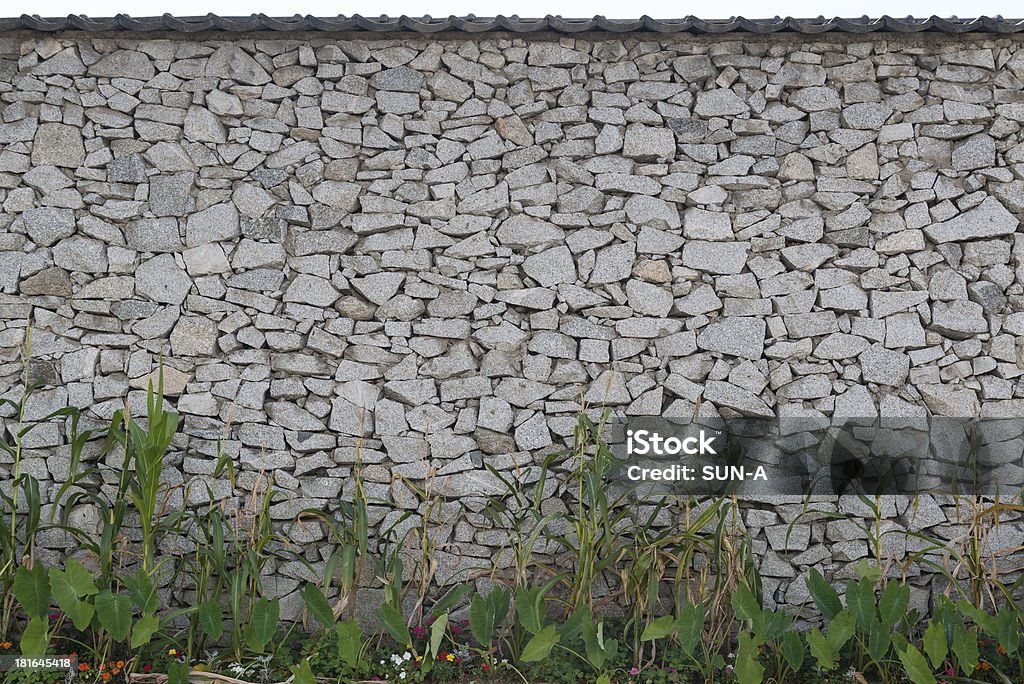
(442, 243)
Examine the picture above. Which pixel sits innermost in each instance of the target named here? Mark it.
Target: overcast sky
(662, 9)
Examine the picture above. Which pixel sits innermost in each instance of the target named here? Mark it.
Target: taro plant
(110, 618)
(767, 642)
(683, 634)
(868, 621)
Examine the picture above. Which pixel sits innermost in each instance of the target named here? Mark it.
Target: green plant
(21, 504)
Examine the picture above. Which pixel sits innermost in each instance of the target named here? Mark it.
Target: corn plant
(517, 512)
(145, 449)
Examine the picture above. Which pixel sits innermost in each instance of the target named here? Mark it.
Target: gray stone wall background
(442, 244)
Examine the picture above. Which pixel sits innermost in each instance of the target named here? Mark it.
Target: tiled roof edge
(514, 24)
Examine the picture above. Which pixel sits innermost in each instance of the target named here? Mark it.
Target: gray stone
(839, 346)
(154, 235)
(169, 194)
(292, 417)
(742, 337)
(160, 279)
(959, 320)
(976, 152)
(989, 219)
(884, 366)
(719, 102)
(124, 64)
(47, 225)
(232, 62)
(608, 388)
(648, 299)
(551, 267)
(525, 231)
(213, 224)
(699, 224)
(738, 399)
(715, 257)
(81, 254)
(379, 287)
(613, 264)
(58, 145)
(651, 211)
(311, 290)
(194, 336)
(946, 400)
(647, 143)
(402, 79)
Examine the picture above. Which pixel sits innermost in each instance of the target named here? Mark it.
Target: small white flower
(407, 656)
(401, 675)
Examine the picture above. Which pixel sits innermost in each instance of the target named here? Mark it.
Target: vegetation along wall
(420, 253)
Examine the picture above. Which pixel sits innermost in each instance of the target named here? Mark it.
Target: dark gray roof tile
(472, 24)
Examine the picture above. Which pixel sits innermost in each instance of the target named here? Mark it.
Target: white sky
(661, 9)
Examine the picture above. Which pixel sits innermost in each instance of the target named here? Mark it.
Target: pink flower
(419, 631)
(634, 671)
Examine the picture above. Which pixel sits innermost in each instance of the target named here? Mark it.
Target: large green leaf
(177, 673)
(451, 599)
(744, 604)
(350, 641)
(64, 590)
(824, 595)
(66, 596)
(691, 624)
(144, 629)
(793, 650)
(143, 591)
(499, 603)
(775, 624)
(1008, 629)
(115, 614)
(965, 646)
(302, 673)
(80, 578)
(934, 643)
(592, 643)
(481, 620)
(35, 638)
(540, 644)
(437, 631)
(211, 619)
(394, 623)
(263, 623)
(915, 665)
(840, 629)
(820, 649)
(32, 589)
(747, 669)
(892, 605)
(659, 628)
(528, 609)
(979, 617)
(318, 605)
(879, 640)
(860, 599)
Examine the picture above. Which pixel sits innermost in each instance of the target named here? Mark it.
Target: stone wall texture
(441, 244)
